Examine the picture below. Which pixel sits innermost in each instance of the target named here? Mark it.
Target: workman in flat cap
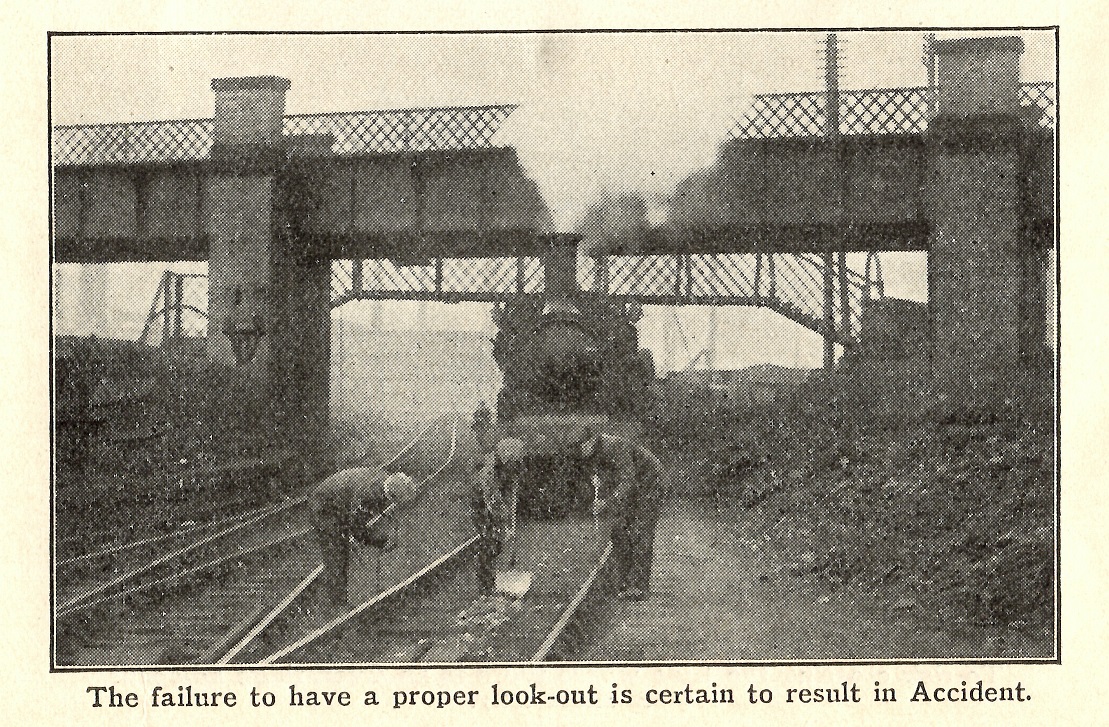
(632, 480)
(356, 507)
(494, 500)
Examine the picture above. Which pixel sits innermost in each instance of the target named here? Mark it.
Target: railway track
(190, 506)
(229, 598)
(116, 573)
(157, 601)
(289, 631)
(418, 619)
(176, 619)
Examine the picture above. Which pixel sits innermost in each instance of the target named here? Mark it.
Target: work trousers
(633, 539)
(336, 532)
(490, 510)
(490, 534)
(489, 546)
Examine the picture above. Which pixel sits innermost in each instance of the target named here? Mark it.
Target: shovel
(512, 582)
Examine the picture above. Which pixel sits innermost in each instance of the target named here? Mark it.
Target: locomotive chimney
(560, 267)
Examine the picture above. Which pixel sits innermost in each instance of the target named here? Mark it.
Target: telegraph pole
(710, 349)
(929, 60)
(837, 240)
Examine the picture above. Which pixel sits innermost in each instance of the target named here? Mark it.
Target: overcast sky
(606, 112)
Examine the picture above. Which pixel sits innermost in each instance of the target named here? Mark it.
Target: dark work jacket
(632, 473)
(349, 498)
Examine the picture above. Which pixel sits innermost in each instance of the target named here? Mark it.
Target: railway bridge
(298, 214)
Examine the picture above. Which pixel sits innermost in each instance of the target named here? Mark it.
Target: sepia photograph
(593, 347)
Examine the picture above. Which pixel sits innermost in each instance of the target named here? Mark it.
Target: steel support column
(828, 321)
(167, 308)
(356, 275)
(837, 243)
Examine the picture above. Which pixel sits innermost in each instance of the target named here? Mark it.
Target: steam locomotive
(571, 361)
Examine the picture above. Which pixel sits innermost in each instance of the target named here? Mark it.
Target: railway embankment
(938, 510)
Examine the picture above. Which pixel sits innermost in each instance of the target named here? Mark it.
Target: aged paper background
(1072, 693)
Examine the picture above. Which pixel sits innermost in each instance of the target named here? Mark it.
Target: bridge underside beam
(130, 249)
(900, 236)
(903, 236)
(411, 248)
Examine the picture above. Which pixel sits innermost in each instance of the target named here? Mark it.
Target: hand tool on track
(512, 582)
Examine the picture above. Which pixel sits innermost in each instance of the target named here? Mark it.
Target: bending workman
(356, 506)
(632, 479)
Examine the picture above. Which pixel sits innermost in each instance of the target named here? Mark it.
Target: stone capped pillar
(979, 76)
(247, 152)
(977, 270)
(249, 111)
(261, 295)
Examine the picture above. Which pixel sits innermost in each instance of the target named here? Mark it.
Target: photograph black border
(1056, 660)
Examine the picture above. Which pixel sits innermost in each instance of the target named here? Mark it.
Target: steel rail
(233, 634)
(263, 623)
(404, 450)
(101, 536)
(296, 592)
(427, 570)
(84, 606)
(184, 531)
(80, 602)
(572, 607)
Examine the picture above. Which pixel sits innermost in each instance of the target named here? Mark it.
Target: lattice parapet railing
(480, 279)
(1042, 96)
(132, 143)
(864, 111)
(884, 111)
(495, 275)
(791, 284)
(471, 127)
(345, 133)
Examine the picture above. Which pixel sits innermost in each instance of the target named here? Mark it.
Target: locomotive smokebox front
(567, 367)
(566, 355)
